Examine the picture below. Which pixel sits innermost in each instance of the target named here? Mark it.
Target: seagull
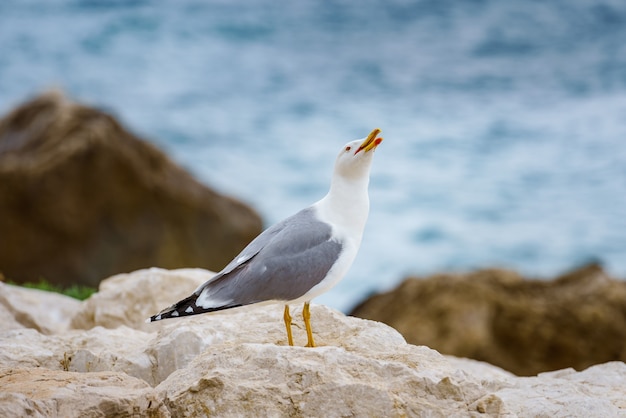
(300, 257)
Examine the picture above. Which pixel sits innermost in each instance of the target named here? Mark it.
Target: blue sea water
(504, 122)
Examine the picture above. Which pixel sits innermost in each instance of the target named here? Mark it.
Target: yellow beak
(371, 141)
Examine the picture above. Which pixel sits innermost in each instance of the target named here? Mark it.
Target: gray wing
(256, 245)
(282, 263)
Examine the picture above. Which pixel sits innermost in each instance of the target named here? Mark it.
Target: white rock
(238, 363)
(8, 322)
(154, 356)
(26, 347)
(47, 312)
(99, 349)
(599, 391)
(269, 380)
(128, 299)
(181, 340)
(49, 393)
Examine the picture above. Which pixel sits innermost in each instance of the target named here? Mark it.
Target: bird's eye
(348, 148)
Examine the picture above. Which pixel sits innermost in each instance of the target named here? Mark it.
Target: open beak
(371, 142)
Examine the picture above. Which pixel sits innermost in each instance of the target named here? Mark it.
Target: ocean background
(504, 122)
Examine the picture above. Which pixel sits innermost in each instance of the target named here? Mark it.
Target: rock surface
(236, 363)
(524, 326)
(48, 393)
(403, 380)
(128, 299)
(46, 312)
(83, 199)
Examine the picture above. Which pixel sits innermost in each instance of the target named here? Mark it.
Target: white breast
(349, 235)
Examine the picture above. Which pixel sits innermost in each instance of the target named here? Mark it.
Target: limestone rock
(237, 363)
(128, 299)
(83, 199)
(270, 380)
(525, 326)
(173, 344)
(99, 349)
(8, 322)
(47, 312)
(48, 393)
(598, 391)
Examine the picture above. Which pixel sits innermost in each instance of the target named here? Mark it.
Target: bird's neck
(347, 204)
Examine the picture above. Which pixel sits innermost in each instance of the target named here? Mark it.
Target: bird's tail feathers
(186, 307)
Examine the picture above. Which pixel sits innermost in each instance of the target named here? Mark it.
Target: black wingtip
(185, 307)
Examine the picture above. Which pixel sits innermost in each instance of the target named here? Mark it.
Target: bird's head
(355, 158)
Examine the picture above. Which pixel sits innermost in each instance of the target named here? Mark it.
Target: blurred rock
(128, 299)
(237, 363)
(8, 322)
(46, 312)
(525, 326)
(83, 199)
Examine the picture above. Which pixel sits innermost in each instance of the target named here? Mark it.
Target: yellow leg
(287, 318)
(306, 314)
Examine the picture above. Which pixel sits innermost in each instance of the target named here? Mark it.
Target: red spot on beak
(369, 146)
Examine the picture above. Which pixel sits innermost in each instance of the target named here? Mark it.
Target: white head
(347, 201)
(355, 158)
